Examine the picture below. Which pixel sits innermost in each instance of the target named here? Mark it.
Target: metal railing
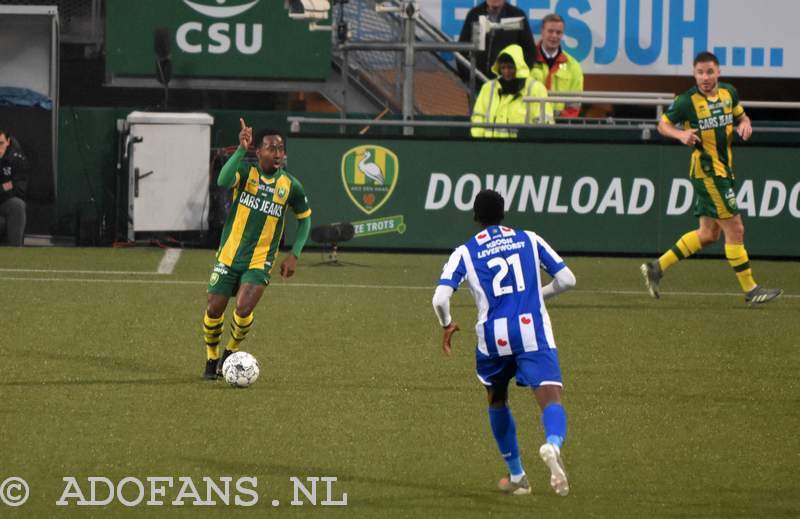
(637, 99)
(435, 33)
(659, 103)
(629, 95)
(645, 126)
(405, 43)
(296, 123)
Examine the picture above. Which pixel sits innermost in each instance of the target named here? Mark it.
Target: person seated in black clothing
(13, 183)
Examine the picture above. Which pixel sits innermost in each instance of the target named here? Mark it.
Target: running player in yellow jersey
(262, 193)
(704, 118)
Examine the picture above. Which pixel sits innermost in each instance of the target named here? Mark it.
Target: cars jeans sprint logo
(194, 37)
(369, 175)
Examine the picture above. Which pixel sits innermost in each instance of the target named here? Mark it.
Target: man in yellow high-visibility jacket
(500, 100)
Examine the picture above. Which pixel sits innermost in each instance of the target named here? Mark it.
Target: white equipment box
(168, 171)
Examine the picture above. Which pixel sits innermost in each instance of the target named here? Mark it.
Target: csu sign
(215, 38)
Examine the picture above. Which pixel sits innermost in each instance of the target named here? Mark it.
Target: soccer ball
(240, 369)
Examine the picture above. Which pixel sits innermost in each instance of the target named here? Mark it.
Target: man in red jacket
(559, 71)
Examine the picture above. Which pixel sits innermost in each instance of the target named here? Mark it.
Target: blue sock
(554, 418)
(505, 433)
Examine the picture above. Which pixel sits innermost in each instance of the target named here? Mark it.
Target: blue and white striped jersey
(501, 267)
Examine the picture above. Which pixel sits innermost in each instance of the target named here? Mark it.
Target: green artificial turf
(683, 407)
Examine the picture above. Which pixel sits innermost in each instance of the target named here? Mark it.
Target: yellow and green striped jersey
(714, 118)
(254, 227)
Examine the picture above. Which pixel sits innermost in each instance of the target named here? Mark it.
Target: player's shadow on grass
(112, 368)
(660, 306)
(113, 364)
(102, 370)
(339, 263)
(774, 307)
(668, 306)
(437, 495)
(313, 387)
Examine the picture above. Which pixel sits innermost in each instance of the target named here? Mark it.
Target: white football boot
(551, 456)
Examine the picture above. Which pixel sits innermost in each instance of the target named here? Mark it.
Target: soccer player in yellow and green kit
(262, 193)
(705, 118)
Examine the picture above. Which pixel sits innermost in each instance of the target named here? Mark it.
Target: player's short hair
(552, 17)
(705, 57)
(258, 140)
(3, 131)
(489, 207)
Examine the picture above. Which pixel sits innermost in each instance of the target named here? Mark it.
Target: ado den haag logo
(369, 174)
(220, 37)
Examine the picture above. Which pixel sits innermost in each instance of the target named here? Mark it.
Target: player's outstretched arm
(303, 230)
(449, 330)
(562, 281)
(289, 264)
(744, 127)
(227, 177)
(687, 137)
(553, 264)
(441, 305)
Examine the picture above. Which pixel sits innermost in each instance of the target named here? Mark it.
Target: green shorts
(715, 197)
(225, 280)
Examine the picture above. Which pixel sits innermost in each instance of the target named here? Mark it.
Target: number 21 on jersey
(497, 282)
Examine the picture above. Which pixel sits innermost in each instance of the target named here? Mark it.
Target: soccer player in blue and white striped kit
(515, 339)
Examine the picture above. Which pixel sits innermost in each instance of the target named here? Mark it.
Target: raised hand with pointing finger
(245, 135)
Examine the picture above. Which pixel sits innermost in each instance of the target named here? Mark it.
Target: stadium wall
(582, 197)
(611, 196)
(87, 180)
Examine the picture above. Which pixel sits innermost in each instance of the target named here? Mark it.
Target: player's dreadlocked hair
(489, 207)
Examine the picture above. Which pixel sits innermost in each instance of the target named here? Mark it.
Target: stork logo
(369, 174)
(194, 37)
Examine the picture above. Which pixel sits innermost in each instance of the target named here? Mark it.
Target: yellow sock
(737, 257)
(687, 245)
(212, 331)
(239, 328)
